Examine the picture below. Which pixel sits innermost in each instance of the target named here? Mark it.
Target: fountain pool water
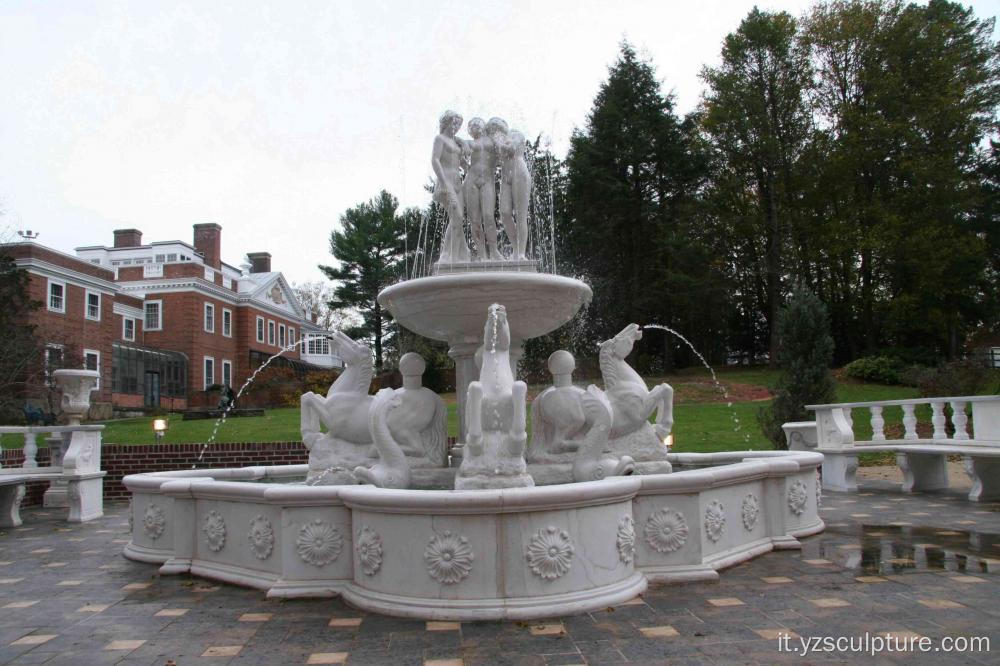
(539, 524)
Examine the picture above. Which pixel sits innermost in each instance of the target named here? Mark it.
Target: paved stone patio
(909, 565)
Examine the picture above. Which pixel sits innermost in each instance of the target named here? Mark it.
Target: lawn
(702, 420)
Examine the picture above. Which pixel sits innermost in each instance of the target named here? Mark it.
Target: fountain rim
(492, 278)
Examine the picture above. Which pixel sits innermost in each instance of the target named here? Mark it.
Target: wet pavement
(906, 566)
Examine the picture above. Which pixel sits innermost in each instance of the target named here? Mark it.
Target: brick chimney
(260, 262)
(128, 238)
(208, 242)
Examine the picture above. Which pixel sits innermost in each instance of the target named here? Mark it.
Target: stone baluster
(909, 421)
(878, 424)
(959, 419)
(938, 419)
(30, 450)
(850, 419)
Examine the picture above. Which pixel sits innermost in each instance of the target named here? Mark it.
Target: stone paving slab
(911, 565)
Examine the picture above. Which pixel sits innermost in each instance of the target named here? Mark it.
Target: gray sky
(273, 118)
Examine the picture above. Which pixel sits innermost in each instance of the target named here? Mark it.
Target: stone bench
(84, 493)
(923, 461)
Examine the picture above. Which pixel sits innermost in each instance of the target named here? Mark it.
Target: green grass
(698, 426)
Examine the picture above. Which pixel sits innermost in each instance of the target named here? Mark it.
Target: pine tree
(805, 353)
(369, 248)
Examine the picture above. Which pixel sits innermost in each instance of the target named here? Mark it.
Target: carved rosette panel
(750, 511)
(319, 543)
(215, 531)
(153, 521)
(666, 530)
(448, 557)
(819, 489)
(369, 549)
(550, 552)
(261, 537)
(797, 498)
(715, 520)
(626, 539)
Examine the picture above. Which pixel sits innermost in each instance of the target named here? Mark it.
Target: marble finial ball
(411, 364)
(561, 362)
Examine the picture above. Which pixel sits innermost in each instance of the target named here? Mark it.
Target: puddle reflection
(884, 549)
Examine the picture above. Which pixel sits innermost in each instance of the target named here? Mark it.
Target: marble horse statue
(572, 425)
(632, 402)
(495, 416)
(417, 424)
(392, 470)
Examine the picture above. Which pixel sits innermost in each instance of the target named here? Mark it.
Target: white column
(878, 424)
(938, 419)
(30, 450)
(909, 421)
(959, 419)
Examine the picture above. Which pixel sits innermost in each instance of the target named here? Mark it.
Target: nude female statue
(515, 192)
(480, 190)
(446, 160)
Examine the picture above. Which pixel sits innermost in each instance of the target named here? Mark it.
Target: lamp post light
(159, 428)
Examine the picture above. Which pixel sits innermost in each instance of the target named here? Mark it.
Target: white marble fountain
(580, 515)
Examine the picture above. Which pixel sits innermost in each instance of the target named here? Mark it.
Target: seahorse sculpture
(632, 402)
(392, 470)
(418, 425)
(592, 463)
(495, 416)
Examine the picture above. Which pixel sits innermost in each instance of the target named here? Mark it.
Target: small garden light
(159, 428)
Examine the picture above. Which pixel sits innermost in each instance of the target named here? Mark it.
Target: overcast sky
(272, 118)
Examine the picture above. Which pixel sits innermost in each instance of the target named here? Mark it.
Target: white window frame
(227, 312)
(206, 320)
(206, 379)
(271, 330)
(125, 321)
(48, 296)
(291, 336)
(261, 329)
(159, 316)
(282, 335)
(86, 304)
(87, 352)
(227, 365)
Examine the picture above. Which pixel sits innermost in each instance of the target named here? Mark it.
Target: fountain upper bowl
(452, 307)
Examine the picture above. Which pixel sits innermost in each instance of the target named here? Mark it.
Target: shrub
(805, 353)
(956, 378)
(876, 369)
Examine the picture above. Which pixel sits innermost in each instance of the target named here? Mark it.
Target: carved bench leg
(10, 505)
(923, 471)
(985, 475)
(85, 499)
(839, 471)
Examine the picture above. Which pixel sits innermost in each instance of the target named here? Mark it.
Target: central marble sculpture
(415, 417)
(495, 416)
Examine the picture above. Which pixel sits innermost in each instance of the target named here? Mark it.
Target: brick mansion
(164, 321)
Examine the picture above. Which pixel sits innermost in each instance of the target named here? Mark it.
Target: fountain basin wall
(520, 553)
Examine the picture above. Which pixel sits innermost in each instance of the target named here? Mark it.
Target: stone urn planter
(76, 386)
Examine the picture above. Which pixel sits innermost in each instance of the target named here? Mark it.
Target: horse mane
(609, 364)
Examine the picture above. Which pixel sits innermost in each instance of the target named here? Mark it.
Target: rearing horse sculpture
(418, 424)
(632, 402)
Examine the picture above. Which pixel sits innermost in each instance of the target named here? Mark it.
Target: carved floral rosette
(750, 511)
(797, 498)
(715, 520)
(666, 530)
(261, 537)
(550, 552)
(154, 521)
(319, 543)
(215, 531)
(626, 540)
(448, 558)
(369, 549)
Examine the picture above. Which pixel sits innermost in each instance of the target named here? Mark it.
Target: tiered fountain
(580, 517)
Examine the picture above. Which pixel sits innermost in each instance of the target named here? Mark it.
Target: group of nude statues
(492, 145)
(399, 434)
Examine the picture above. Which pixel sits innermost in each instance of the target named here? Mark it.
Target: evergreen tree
(369, 249)
(21, 351)
(805, 353)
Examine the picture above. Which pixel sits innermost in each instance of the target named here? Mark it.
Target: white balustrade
(959, 419)
(878, 424)
(909, 421)
(938, 420)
